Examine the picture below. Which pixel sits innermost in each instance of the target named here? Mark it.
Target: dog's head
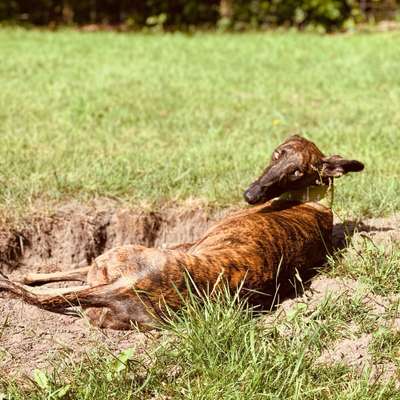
(296, 164)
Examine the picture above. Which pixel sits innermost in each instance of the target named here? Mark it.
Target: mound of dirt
(352, 352)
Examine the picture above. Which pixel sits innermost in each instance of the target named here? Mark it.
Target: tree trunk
(226, 9)
(67, 13)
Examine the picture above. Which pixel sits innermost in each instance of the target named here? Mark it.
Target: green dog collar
(310, 193)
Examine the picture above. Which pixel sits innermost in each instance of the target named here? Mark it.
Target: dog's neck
(320, 194)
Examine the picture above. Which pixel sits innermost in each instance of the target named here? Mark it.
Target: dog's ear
(336, 166)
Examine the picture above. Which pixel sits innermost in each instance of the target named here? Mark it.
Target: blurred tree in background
(185, 14)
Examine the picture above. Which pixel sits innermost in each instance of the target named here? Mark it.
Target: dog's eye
(278, 154)
(298, 173)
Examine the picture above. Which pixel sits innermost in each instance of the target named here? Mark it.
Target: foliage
(134, 13)
(183, 14)
(324, 13)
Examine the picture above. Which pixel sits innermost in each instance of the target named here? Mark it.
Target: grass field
(158, 118)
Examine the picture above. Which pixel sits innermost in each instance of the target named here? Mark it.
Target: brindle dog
(253, 249)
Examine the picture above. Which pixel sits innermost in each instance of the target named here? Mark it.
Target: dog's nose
(250, 196)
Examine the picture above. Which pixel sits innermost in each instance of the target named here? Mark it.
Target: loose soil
(74, 234)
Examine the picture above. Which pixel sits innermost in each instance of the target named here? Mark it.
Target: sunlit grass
(166, 117)
(373, 265)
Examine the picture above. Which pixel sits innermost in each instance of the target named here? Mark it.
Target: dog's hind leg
(55, 291)
(123, 306)
(79, 274)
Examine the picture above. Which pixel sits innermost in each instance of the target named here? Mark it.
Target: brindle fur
(255, 249)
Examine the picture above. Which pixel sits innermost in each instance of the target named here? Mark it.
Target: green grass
(375, 266)
(385, 346)
(153, 118)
